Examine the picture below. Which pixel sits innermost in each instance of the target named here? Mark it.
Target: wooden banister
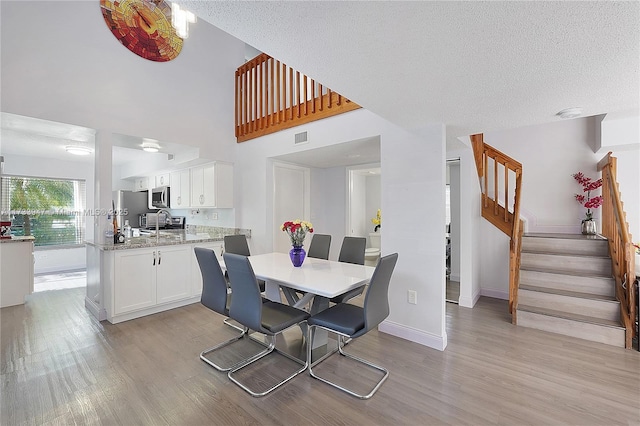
(503, 212)
(270, 96)
(621, 249)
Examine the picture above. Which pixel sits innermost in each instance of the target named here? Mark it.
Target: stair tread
(566, 254)
(566, 236)
(570, 293)
(564, 272)
(570, 316)
(559, 274)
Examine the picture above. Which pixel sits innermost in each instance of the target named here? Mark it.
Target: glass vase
(297, 255)
(589, 227)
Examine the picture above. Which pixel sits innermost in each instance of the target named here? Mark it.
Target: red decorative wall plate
(143, 27)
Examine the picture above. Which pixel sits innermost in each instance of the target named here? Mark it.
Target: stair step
(604, 286)
(566, 244)
(575, 325)
(570, 264)
(570, 302)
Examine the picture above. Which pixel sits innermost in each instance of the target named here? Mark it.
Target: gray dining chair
(320, 246)
(266, 317)
(351, 251)
(237, 244)
(216, 297)
(350, 321)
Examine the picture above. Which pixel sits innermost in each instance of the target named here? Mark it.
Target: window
(52, 210)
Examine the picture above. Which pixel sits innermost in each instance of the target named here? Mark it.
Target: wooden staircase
(566, 287)
(577, 285)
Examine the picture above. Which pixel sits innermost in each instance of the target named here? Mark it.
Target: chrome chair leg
(203, 354)
(228, 322)
(341, 351)
(267, 351)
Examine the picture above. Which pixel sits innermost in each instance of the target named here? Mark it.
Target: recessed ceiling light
(148, 146)
(78, 150)
(570, 112)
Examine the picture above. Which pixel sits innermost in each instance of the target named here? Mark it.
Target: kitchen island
(16, 270)
(147, 274)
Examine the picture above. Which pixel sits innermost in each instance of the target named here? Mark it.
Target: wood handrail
(271, 96)
(621, 249)
(502, 214)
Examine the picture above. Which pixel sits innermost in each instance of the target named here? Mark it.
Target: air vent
(170, 157)
(301, 138)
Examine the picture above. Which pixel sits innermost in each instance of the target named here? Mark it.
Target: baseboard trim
(99, 313)
(414, 335)
(467, 302)
(496, 294)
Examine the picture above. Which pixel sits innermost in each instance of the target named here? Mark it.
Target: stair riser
(609, 310)
(594, 285)
(566, 264)
(593, 332)
(566, 246)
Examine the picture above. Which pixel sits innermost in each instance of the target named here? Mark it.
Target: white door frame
(350, 173)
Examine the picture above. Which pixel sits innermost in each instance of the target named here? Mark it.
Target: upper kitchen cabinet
(179, 194)
(212, 186)
(163, 180)
(141, 184)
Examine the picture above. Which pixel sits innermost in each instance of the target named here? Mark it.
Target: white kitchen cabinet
(16, 272)
(180, 187)
(163, 180)
(196, 275)
(141, 184)
(173, 278)
(145, 278)
(212, 185)
(135, 280)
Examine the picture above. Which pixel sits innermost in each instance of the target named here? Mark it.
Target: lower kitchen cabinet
(144, 278)
(196, 275)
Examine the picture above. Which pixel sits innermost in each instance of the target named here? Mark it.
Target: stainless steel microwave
(160, 197)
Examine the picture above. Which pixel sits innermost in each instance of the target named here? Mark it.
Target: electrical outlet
(412, 297)
(214, 216)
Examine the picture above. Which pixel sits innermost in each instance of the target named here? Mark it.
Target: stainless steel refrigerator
(133, 203)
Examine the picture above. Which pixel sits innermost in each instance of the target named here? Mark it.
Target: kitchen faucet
(158, 221)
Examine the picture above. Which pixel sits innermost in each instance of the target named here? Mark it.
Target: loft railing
(271, 96)
(501, 181)
(621, 249)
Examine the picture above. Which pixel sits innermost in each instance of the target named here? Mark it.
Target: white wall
(413, 175)
(550, 154)
(60, 62)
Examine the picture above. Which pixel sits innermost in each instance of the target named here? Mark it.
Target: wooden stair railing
(271, 96)
(621, 249)
(497, 173)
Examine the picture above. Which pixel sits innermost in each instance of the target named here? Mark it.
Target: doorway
(363, 203)
(452, 236)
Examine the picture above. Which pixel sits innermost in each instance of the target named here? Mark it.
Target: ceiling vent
(301, 138)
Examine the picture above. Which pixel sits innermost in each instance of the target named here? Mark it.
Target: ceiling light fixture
(150, 146)
(180, 20)
(570, 112)
(78, 150)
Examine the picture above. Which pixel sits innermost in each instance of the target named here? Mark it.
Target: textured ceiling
(475, 66)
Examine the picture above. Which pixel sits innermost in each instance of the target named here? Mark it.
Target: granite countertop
(15, 239)
(165, 238)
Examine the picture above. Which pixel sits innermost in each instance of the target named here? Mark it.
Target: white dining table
(316, 277)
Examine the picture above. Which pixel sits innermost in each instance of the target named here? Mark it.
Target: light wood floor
(61, 366)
